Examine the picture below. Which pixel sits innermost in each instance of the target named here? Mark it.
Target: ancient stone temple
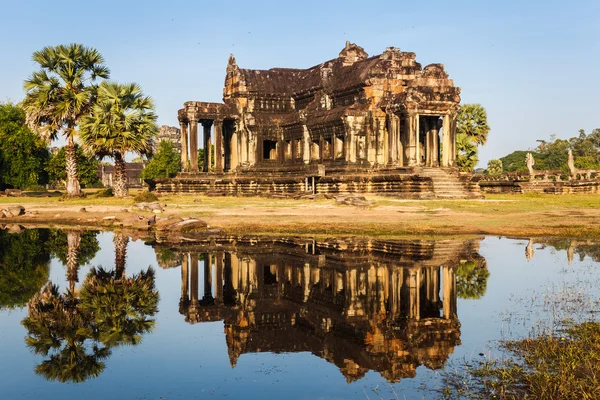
(351, 124)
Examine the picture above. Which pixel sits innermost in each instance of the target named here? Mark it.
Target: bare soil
(517, 215)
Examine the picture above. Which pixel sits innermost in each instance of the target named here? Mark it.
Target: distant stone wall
(169, 134)
(525, 185)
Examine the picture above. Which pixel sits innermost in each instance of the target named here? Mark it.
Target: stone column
(219, 146)
(332, 147)
(446, 148)
(452, 119)
(382, 142)
(390, 126)
(193, 145)
(206, 124)
(426, 147)
(184, 145)
(435, 129)
(243, 148)
(413, 131)
(306, 145)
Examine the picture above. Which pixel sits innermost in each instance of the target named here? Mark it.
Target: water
(291, 318)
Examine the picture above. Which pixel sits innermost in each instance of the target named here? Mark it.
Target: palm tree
(466, 149)
(59, 330)
(472, 121)
(122, 120)
(60, 94)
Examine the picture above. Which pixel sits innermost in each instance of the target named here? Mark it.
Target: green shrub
(107, 192)
(145, 197)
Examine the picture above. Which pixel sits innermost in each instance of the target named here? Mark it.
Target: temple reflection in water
(362, 305)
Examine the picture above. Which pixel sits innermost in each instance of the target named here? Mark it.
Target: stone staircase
(448, 184)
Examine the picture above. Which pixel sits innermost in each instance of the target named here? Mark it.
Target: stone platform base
(403, 183)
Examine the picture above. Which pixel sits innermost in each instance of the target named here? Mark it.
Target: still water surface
(287, 318)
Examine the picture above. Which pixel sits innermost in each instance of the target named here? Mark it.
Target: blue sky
(532, 64)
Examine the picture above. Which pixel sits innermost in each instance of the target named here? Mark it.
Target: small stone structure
(355, 123)
(134, 174)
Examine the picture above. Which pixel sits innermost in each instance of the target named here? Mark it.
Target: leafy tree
(553, 154)
(23, 154)
(60, 94)
(494, 167)
(87, 168)
(472, 121)
(24, 266)
(471, 279)
(466, 149)
(122, 120)
(515, 161)
(165, 163)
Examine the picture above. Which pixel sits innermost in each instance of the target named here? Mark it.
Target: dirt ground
(514, 215)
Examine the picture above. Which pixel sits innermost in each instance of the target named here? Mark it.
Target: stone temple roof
(351, 69)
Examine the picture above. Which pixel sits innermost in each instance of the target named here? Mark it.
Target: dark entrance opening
(269, 150)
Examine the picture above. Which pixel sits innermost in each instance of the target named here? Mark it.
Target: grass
(544, 367)
(558, 359)
(508, 215)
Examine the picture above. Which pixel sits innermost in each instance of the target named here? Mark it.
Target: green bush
(166, 163)
(145, 197)
(107, 192)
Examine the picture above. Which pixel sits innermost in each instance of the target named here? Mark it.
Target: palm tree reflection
(76, 331)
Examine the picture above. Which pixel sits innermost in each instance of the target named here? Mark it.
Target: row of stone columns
(189, 148)
(429, 153)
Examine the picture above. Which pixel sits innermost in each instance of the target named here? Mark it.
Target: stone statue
(571, 164)
(530, 162)
(582, 172)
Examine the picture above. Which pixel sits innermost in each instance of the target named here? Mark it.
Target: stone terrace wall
(400, 185)
(520, 186)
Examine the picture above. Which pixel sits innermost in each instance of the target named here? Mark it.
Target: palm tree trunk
(73, 241)
(120, 182)
(73, 188)
(120, 240)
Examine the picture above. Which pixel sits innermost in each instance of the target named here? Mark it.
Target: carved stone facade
(350, 115)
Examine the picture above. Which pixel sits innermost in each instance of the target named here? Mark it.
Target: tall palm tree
(122, 120)
(60, 94)
(472, 121)
(466, 149)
